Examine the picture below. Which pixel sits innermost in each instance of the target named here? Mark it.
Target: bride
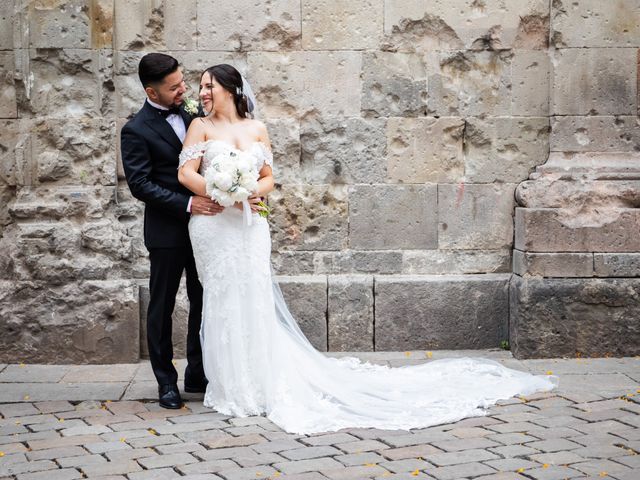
(255, 357)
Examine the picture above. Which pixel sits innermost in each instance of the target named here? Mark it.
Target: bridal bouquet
(232, 177)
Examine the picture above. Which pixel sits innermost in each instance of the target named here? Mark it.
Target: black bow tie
(165, 113)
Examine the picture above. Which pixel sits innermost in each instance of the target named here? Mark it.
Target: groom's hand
(204, 206)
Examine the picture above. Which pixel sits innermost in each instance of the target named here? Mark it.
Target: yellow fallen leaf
(27, 397)
(1, 454)
(604, 474)
(258, 474)
(17, 422)
(61, 419)
(415, 473)
(428, 354)
(520, 470)
(22, 365)
(549, 372)
(277, 474)
(123, 439)
(407, 354)
(369, 464)
(152, 431)
(546, 465)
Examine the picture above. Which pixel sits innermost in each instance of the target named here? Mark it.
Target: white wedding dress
(258, 361)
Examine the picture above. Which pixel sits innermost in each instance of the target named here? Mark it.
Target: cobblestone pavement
(67, 422)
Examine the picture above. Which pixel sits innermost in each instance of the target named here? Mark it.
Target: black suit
(150, 150)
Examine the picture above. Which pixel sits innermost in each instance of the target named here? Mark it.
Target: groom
(151, 143)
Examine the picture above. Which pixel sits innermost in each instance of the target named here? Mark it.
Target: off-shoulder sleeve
(265, 154)
(191, 152)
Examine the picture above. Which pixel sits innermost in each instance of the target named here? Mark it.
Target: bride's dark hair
(231, 80)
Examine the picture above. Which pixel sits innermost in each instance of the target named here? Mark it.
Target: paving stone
(81, 461)
(302, 466)
(180, 448)
(58, 441)
(100, 373)
(157, 474)
(127, 435)
(86, 430)
(608, 426)
(511, 438)
(107, 447)
(57, 424)
(514, 450)
(129, 454)
(193, 427)
(303, 476)
(406, 465)
(596, 439)
(470, 432)
(360, 458)
(54, 406)
(455, 472)
(153, 441)
(247, 473)
(27, 467)
(241, 441)
(62, 474)
(14, 392)
(277, 446)
(54, 453)
(18, 410)
(167, 460)
(330, 439)
(551, 433)
(111, 468)
(33, 373)
(208, 467)
(354, 473)
(452, 458)
(601, 451)
(110, 420)
(13, 448)
(310, 452)
(552, 473)
(557, 458)
(416, 438)
(523, 427)
(511, 464)
(464, 444)
(361, 446)
(410, 452)
(553, 445)
(126, 407)
(25, 437)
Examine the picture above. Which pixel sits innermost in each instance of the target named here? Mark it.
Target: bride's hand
(253, 203)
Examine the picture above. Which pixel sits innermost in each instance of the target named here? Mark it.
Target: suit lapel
(160, 125)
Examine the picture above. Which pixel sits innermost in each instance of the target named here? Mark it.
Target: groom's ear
(152, 93)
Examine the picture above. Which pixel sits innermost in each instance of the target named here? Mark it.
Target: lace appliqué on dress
(192, 152)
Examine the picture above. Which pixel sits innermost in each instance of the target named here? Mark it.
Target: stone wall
(401, 130)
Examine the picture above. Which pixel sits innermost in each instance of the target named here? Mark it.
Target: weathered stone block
(16, 165)
(402, 216)
(311, 217)
(616, 264)
(306, 298)
(180, 25)
(393, 84)
(358, 262)
(342, 150)
(350, 316)
(298, 92)
(7, 20)
(425, 150)
(455, 262)
(60, 24)
(8, 104)
(139, 24)
(289, 262)
(595, 81)
(604, 134)
(475, 217)
(250, 26)
(86, 322)
(504, 149)
(284, 134)
(531, 76)
(442, 24)
(553, 264)
(467, 83)
(64, 83)
(80, 152)
(441, 312)
(568, 317)
(193, 63)
(593, 23)
(341, 24)
(566, 230)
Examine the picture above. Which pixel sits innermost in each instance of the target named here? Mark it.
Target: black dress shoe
(169, 396)
(196, 387)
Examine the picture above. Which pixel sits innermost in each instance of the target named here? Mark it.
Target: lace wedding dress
(258, 361)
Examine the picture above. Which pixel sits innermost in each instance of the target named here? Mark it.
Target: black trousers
(167, 265)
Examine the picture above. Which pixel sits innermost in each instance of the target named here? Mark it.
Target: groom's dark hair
(153, 67)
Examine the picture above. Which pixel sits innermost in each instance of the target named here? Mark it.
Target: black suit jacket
(150, 150)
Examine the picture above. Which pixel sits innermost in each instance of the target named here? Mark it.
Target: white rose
(223, 198)
(223, 180)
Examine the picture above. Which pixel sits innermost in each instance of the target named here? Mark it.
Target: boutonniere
(190, 106)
